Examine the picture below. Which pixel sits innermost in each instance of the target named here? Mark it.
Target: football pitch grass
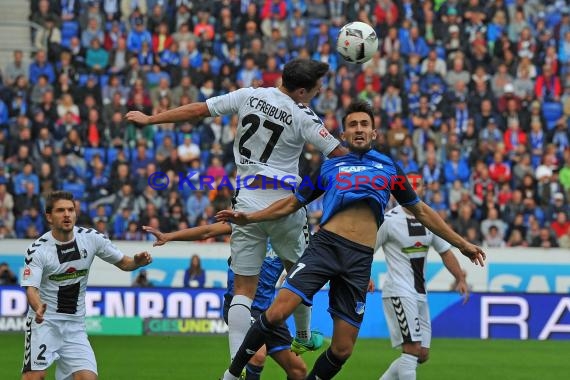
(202, 357)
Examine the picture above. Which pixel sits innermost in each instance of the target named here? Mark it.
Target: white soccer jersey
(405, 242)
(60, 270)
(271, 132)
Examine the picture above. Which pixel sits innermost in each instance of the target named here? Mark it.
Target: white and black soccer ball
(357, 42)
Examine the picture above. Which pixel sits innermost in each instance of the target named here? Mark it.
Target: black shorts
(280, 339)
(346, 264)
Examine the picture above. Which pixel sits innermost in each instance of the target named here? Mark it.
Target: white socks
(239, 321)
(302, 316)
(403, 368)
(229, 376)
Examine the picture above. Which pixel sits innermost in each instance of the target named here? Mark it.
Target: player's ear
(342, 137)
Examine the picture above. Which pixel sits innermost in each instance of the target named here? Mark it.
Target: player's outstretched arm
(36, 303)
(452, 265)
(189, 234)
(129, 264)
(188, 112)
(431, 219)
(279, 209)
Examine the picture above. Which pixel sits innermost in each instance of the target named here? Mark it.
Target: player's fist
(142, 259)
(160, 237)
(138, 117)
(474, 253)
(40, 313)
(235, 217)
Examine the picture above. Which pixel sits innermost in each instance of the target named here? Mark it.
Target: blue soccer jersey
(370, 176)
(271, 270)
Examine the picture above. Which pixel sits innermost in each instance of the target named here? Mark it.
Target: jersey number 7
(254, 121)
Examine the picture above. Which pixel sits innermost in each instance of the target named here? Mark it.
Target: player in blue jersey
(358, 188)
(279, 347)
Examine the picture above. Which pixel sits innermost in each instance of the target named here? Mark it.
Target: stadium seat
(112, 154)
(160, 135)
(77, 189)
(89, 153)
(552, 112)
(69, 29)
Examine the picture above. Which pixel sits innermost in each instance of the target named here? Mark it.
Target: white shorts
(64, 341)
(288, 235)
(408, 320)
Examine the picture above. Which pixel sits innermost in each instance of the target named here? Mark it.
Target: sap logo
(351, 169)
(533, 278)
(378, 166)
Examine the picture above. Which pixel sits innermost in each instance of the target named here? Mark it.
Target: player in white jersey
(273, 126)
(405, 242)
(55, 278)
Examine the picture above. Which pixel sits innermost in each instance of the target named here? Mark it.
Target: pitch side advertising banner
(525, 270)
(199, 311)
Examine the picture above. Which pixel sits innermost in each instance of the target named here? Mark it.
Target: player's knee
(424, 355)
(258, 359)
(34, 375)
(342, 351)
(298, 371)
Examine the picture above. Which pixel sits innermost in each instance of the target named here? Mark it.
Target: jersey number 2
(254, 121)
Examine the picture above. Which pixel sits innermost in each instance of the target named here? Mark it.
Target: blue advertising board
(485, 315)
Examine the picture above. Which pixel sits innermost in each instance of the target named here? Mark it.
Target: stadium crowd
(472, 94)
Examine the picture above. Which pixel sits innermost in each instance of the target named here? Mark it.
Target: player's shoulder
(395, 213)
(88, 234)
(303, 112)
(382, 158)
(41, 244)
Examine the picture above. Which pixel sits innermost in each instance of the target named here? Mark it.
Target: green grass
(196, 358)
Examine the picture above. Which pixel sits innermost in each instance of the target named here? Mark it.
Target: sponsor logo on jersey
(70, 274)
(68, 252)
(416, 248)
(360, 307)
(351, 169)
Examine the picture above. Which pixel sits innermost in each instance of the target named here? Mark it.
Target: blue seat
(69, 29)
(552, 112)
(112, 154)
(160, 135)
(89, 153)
(77, 189)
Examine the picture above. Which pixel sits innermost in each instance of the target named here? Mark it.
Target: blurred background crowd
(472, 94)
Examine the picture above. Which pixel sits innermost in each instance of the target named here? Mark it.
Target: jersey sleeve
(228, 103)
(33, 269)
(382, 235)
(310, 188)
(401, 188)
(440, 245)
(314, 132)
(107, 250)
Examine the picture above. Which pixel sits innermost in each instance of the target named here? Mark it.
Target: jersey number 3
(254, 121)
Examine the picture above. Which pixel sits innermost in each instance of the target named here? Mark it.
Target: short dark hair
(359, 106)
(303, 73)
(57, 196)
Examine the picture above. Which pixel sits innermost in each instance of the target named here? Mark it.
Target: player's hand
(143, 259)
(160, 237)
(474, 253)
(371, 286)
(463, 289)
(137, 117)
(239, 218)
(40, 313)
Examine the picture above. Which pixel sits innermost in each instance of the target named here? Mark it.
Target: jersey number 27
(254, 121)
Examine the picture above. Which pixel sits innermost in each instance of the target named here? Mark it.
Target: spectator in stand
(7, 276)
(493, 239)
(545, 239)
(561, 225)
(194, 275)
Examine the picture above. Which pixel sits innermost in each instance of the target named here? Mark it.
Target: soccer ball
(357, 42)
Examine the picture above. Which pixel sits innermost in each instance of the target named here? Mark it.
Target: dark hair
(57, 196)
(303, 73)
(359, 106)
